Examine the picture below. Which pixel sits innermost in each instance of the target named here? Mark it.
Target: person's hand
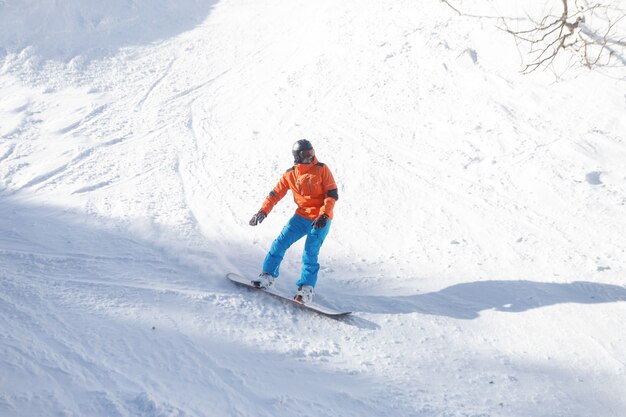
(258, 218)
(320, 222)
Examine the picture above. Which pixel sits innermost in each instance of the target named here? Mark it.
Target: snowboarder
(315, 192)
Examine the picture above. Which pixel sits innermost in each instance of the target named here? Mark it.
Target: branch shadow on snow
(468, 300)
(55, 244)
(92, 28)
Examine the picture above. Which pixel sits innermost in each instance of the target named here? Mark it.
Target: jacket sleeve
(276, 194)
(330, 192)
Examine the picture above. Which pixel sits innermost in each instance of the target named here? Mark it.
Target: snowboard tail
(315, 307)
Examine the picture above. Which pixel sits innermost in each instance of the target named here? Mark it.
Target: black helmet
(303, 152)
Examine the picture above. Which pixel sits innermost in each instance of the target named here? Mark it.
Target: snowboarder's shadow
(468, 300)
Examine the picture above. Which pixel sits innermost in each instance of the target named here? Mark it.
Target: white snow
(479, 236)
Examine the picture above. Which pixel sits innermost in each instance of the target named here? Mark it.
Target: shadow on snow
(95, 28)
(468, 300)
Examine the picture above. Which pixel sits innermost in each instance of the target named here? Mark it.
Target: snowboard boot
(304, 295)
(264, 280)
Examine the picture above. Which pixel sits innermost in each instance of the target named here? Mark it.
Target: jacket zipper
(308, 180)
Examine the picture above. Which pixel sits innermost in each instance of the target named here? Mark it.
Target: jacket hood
(304, 168)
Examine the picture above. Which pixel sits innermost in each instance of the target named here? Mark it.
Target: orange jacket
(313, 187)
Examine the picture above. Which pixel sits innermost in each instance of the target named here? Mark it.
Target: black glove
(320, 222)
(258, 218)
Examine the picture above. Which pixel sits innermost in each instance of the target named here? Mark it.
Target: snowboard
(284, 296)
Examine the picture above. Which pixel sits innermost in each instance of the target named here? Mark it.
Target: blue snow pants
(294, 230)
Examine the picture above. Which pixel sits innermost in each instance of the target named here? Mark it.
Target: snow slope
(479, 237)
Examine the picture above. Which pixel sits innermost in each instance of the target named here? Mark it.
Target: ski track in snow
(479, 236)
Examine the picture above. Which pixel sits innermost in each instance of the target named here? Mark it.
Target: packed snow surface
(479, 237)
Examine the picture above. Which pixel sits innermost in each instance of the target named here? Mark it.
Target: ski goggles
(306, 157)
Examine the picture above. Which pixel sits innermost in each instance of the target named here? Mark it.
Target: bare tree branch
(591, 32)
